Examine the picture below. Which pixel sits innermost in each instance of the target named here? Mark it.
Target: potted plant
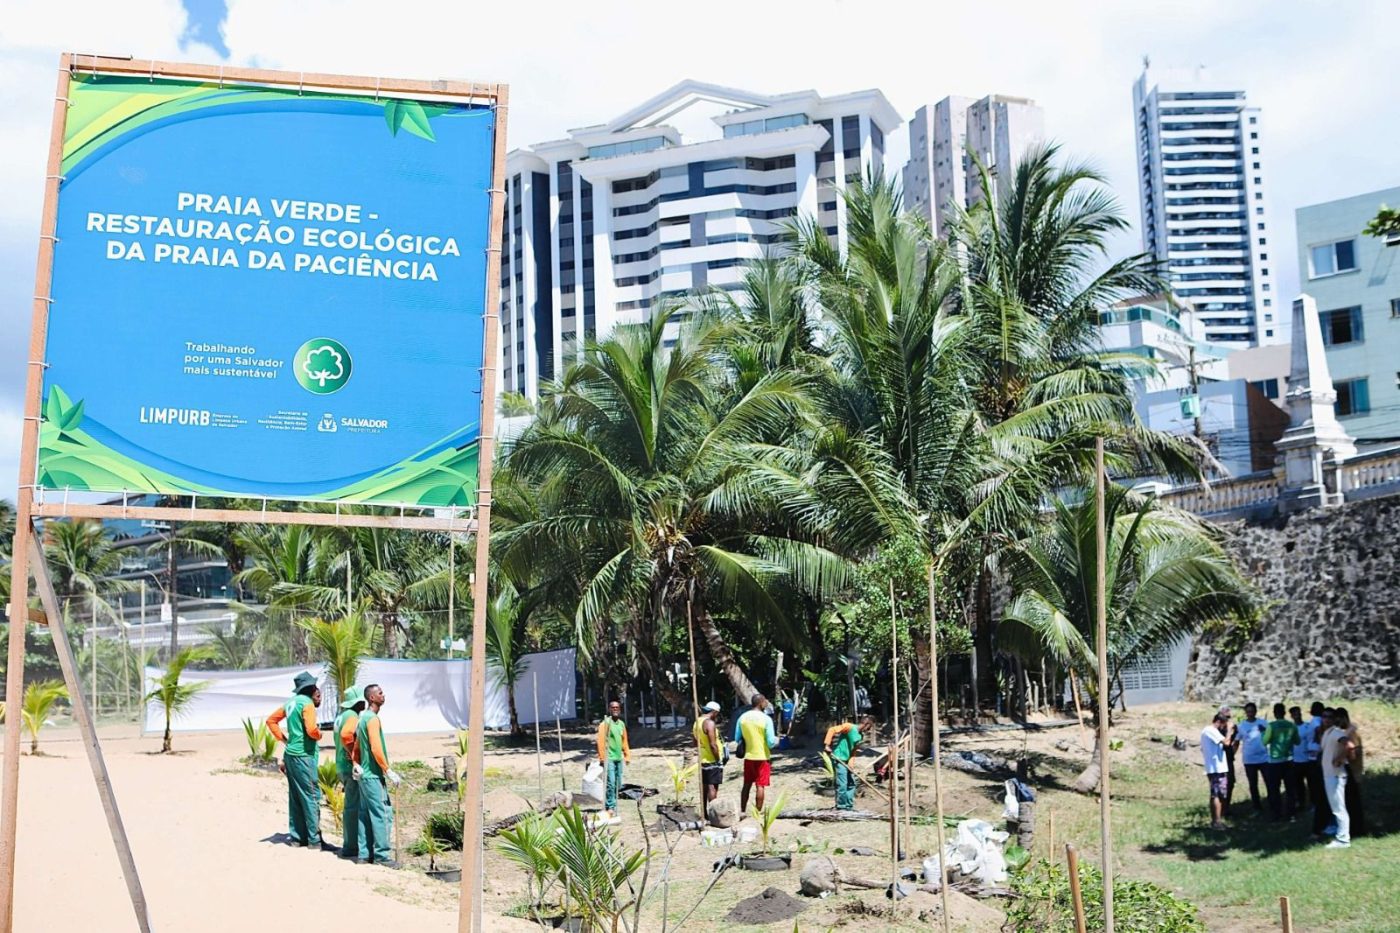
(675, 810)
(766, 860)
(431, 846)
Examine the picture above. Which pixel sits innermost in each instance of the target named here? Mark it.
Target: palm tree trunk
(722, 656)
(165, 747)
(514, 716)
(982, 636)
(923, 708)
(390, 621)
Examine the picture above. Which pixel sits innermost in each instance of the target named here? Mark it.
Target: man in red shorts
(756, 733)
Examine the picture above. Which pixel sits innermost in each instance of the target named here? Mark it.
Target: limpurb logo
(322, 366)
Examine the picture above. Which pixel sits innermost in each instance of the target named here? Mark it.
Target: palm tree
(39, 699)
(279, 561)
(655, 480)
(1034, 279)
(1166, 576)
(344, 643)
(82, 559)
(173, 696)
(506, 615)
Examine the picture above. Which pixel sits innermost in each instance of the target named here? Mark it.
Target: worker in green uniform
(371, 757)
(842, 741)
(299, 759)
(346, 723)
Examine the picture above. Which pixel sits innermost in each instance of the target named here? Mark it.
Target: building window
(1254, 150)
(1395, 307)
(1332, 258)
(1268, 302)
(1268, 386)
(1268, 333)
(1263, 257)
(1258, 195)
(1256, 168)
(1342, 326)
(1353, 397)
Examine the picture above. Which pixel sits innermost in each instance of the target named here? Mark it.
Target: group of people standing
(755, 736)
(1312, 763)
(361, 764)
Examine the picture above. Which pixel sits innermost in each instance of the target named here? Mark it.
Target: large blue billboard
(267, 293)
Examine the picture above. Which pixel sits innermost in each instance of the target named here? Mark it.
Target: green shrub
(1045, 904)
(446, 827)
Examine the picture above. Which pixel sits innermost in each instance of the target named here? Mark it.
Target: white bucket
(717, 837)
(748, 833)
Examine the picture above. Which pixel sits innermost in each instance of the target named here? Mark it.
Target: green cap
(352, 696)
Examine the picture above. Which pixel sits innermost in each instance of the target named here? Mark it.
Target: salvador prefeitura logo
(322, 366)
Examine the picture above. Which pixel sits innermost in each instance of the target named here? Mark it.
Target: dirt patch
(501, 803)
(770, 906)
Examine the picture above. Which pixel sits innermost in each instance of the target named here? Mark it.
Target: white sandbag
(594, 784)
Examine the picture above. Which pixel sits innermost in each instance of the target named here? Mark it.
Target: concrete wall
(1334, 629)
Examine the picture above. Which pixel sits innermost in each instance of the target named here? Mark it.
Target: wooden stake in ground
(937, 762)
(1286, 910)
(539, 751)
(66, 661)
(690, 630)
(1101, 611)
(559, 733)
(1072, 855)
(894, 763)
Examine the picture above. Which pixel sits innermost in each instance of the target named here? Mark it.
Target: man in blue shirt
(1250, 730)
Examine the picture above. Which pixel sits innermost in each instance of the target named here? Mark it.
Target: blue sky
(1318, 70)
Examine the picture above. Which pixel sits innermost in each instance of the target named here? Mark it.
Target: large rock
(722, 813)
(820, 875)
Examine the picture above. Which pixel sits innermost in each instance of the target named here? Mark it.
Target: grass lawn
(1236, 877)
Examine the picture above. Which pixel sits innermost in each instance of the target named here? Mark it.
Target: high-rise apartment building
(605, 224)
(940, 171)
(1355, 280)
(1201, 177)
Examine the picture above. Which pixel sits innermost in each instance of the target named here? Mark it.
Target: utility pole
(1195, 387)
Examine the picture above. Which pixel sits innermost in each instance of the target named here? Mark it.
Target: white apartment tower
(1203, 212)
(940, 172)
(604, 224)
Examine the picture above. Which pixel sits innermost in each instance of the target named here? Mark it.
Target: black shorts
(712, 775)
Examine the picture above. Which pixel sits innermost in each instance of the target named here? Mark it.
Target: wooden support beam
(252, 516)
(83, 716)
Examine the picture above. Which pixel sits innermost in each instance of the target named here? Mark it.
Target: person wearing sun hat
(711, 749)
(351, 704)
(299, 759)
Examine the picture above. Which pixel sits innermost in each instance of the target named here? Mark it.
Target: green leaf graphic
(393, 115)
(415, 119)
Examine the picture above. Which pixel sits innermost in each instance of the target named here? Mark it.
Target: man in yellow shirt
(755, 730)
(711, 749)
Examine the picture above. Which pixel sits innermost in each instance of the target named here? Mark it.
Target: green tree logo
(322, 366)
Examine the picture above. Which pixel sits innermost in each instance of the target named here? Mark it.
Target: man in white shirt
(1336, 750)
(1256, 756)
(1213, 741)
(1305, 755)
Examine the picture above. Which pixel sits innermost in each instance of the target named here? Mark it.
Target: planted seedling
(680, 778)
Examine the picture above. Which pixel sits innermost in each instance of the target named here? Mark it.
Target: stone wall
(1333, 577)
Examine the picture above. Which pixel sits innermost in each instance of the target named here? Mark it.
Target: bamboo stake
(937, 761)
(1078, 709)
(1286, 910)
(451, 592)
(1101, 611)
(539, 751)
(690, 630)
(469, 911)
(1073, 855)
(894, 754)
(1051, 849)
(559, 732)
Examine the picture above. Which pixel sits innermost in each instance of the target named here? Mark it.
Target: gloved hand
(356, 771)
(393, 777)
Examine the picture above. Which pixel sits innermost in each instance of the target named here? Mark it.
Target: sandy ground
(198, 829)
(201, 827)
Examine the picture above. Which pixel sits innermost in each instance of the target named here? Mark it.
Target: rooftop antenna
(1146, 61)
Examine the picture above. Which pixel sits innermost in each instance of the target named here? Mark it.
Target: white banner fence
(420, 696)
